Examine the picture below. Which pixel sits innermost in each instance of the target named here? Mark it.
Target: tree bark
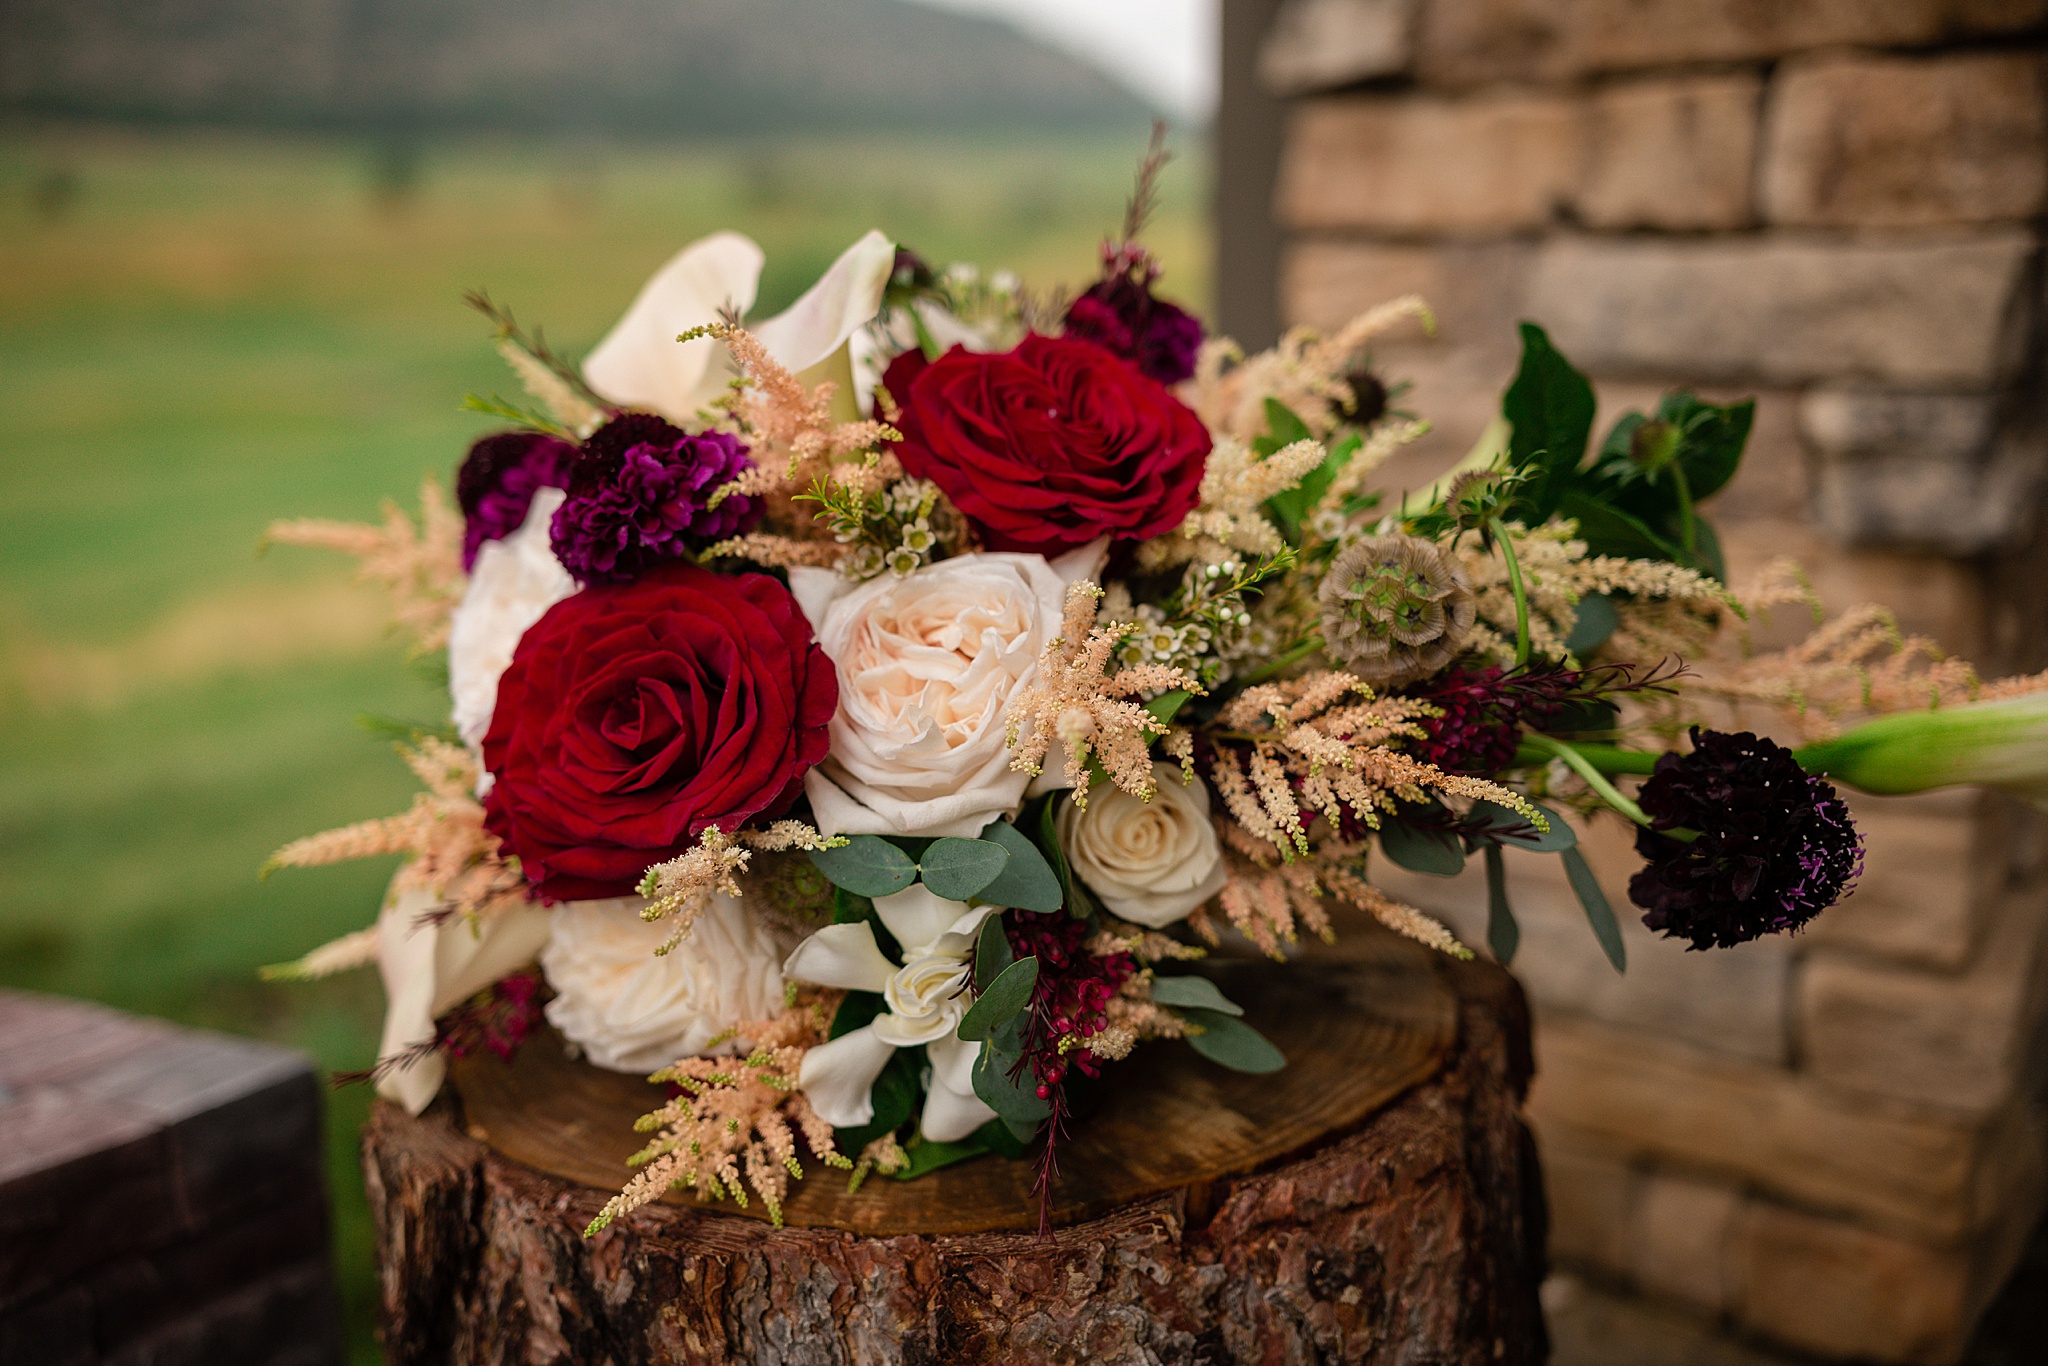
(1414, 1235)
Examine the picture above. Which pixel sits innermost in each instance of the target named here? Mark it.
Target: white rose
(431, 967)
(923, 1001)
(514, 583)
(927, 666)
(631, 1011)
(1150, 862)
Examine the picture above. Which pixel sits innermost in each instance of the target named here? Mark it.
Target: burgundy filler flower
(498, 479)
(640, 493)
(1484, 711)
(1774, 846)
(1120, 314)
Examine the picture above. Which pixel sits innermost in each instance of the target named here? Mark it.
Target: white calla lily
(924, 999)
(642, 365)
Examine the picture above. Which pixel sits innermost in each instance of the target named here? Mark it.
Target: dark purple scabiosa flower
(1773, 846)
(498, 479)
(1120, 314)
(640, 493)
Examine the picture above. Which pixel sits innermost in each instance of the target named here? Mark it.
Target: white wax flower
(512, 585)
(641, 365)
(924, 998)
(1149, 862)
(429, 969)
(927, 666)
(632, 1011)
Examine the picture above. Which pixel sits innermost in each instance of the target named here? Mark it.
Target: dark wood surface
(1360, 1023)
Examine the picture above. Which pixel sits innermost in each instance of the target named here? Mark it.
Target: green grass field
(201, 333)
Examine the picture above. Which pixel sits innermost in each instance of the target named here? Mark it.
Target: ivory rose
(1150, 862)
(632, 1011)
(923, 1000)
(512, 585)
(927, 665)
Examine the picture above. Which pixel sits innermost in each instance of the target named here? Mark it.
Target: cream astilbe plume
(735, 1126)
(680, 888)
(420, 566)
(1090, 712)
(1227, 519)
(1305, 372)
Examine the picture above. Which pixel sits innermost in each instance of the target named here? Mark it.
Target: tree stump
(1377, 1200)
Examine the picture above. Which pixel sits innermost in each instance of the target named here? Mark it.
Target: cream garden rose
(632, 1011)
(512, 585)
(927, 665)
(1149, 862)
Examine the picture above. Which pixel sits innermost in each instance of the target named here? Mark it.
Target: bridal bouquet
(864, 718)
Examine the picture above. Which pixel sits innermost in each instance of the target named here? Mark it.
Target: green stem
(1507, 553)
(1291, 658)
(1606, 758)
(1688, 533)
(1596, 780)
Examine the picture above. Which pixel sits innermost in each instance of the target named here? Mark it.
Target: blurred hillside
(645, 67)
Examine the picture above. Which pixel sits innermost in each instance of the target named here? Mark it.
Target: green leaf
(867, 865)
(1007, 995)
(1550, 407)
(1163, 707)
(1192, 992)
(1711, 438)
(1076, 899)
(928, 1155)
(1596, 621)
(1013, 1098)
(1028, 882)
(1230, 1042)
(1290, 508)
(1503, 935)
(957, 869)
(849, 908)
(1283, 428)
(858, 1009)
(1421, 848)
(1558, 838)
(894, 1096)
(991, 953)
(1599, 914)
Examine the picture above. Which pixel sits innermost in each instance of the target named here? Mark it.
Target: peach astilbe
(420, 566)
(679, 889)
(736, 1124)
(1270, 901)
(1304, 372)
(1089, 711)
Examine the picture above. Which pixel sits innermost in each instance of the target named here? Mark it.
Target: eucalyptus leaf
(1230, 1042)
(1599, 914)
(991, 952)
(957, 869)
(1028, 882)
(1421, 848)
(1193, 992)
(1503, 935)
(1004, 998)
(1521, 833)
(866, 865)
(1013, 1097)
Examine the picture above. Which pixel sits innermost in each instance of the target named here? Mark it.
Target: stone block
(1871, 141)
(1475, 289)
(1681, 1231)
(1417, 164)
(1963, 1041)
(1592, 1196)
(1672, 154)
(1592, 1325)
(1320, 45)
(1468, 42)
(1933, 863)
(1949, 312)
(1658, 1101)
(1831, 1287)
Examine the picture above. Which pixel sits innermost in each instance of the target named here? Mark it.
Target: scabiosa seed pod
(640, 493)
(498, 479)
(1774, 845)
(1395, 609)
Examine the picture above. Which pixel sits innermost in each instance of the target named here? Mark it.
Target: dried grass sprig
(421, 565)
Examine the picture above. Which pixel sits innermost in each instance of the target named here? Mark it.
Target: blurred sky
(1163, 49)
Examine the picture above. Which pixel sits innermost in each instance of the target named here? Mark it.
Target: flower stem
(1595, 779)
(1507, 553)
(1606, 758)
(1285, 661)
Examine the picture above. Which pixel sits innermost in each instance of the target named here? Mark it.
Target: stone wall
(1831, 1141)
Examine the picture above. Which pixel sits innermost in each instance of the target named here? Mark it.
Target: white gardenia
(429, 968)
(511, 586)
(632, 1011)
(924, 998)
(640, 364)
(927, 666)
(1149, 862)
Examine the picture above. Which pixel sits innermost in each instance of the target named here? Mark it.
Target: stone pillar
(1832, 1141)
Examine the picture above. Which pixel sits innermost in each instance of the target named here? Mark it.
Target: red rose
(1051, 445)
(636, 714)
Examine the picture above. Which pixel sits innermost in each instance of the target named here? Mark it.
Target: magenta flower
(640, 494)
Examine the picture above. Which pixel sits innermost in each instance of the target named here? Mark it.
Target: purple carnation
(498, 479)
(1771, 848)
(1120, 315)
(640, 494)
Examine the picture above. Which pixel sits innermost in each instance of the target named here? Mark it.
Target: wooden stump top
(1360, 1022)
